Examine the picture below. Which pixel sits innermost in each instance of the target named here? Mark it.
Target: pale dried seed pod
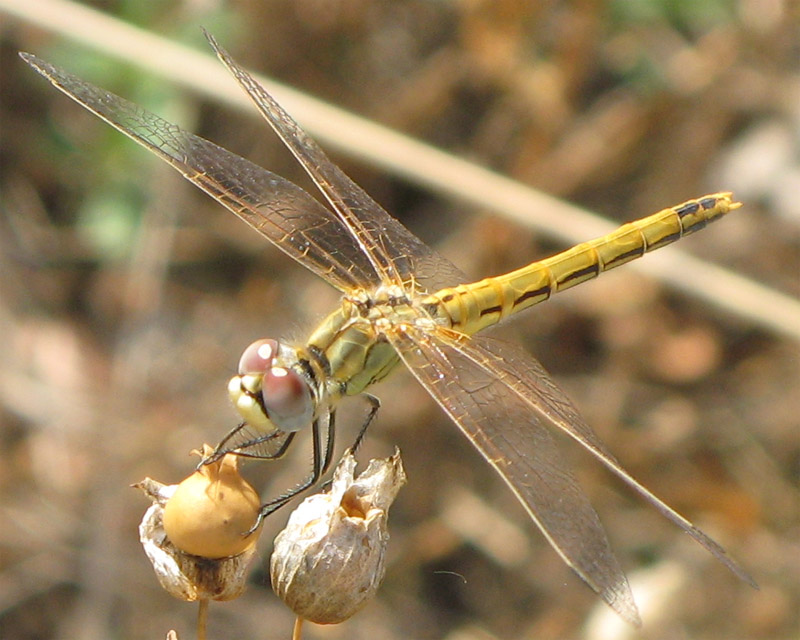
(330, 559)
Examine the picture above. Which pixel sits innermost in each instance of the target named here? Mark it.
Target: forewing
(279, 210)
(477, 395)
(394, 252)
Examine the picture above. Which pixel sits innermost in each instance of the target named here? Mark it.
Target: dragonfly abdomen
(472, 307)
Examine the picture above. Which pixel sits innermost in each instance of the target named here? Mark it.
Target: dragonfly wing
(395, 253)
(468, 386)
(527, 379)
(282, 212)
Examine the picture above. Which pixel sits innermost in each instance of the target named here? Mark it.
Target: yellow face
(244, 391)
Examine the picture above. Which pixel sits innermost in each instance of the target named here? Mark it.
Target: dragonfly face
(409, 304)
(270, 392)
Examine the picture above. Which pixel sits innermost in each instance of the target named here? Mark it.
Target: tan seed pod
(330, 559)
(212, 510)
(182, 575)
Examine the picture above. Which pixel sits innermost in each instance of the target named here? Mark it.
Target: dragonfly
(401, 301)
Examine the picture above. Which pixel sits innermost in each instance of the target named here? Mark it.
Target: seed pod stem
(202, 618)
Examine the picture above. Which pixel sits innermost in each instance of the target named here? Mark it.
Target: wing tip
(31, 60)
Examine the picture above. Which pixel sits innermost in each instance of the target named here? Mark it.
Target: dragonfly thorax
(383, 296)
(271, 391)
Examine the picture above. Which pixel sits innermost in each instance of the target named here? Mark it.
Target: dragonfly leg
(261, 440)
(329, 441)
(321, 459)
(375, 404)
(220, 450)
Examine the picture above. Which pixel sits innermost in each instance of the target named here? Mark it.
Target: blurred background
(127, 296)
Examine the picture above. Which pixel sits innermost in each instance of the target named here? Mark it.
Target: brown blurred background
(126, 297)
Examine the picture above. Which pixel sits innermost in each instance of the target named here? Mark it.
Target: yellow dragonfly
(402, 301)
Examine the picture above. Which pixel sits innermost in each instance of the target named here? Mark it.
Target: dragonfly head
(269, 393)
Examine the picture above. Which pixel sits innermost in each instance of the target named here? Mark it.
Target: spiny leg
(375, 405)
(240, 449)
(329, 442)
(249, 444)
(321, 459)
(220, 450)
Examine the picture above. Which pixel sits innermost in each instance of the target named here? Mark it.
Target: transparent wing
(464, 380)
(526, 379)
(279, 210)
(500, 397)
(397, 255)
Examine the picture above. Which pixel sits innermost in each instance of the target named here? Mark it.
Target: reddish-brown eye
(258, 357)
(287, 399)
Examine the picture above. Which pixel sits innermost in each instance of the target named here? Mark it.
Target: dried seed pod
(329, 560)
(211, 510)
(184, 575)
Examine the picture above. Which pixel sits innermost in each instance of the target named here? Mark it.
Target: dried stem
(202, 619)
(297, 632)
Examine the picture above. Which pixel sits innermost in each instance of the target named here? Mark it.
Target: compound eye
(258, 357)
(287, 399)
